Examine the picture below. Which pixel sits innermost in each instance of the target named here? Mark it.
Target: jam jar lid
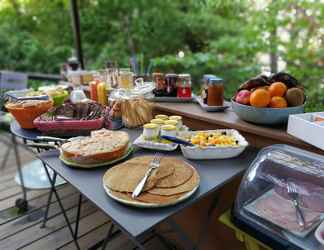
(215, 81)
(184, 76)
(171, 75)
(206, 77)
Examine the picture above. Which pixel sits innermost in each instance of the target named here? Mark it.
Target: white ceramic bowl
(214, 152)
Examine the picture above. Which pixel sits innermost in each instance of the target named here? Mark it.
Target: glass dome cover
(279, 179)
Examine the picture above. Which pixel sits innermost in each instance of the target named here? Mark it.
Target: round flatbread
(182, 173)
(125, 176)
(185, 187)
(147, 198)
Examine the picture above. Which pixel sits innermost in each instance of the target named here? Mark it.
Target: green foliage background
(226, 38)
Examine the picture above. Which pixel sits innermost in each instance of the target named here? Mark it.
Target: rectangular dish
(303, 127)
(214, 152)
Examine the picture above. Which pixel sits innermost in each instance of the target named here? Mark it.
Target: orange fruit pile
(272, 96)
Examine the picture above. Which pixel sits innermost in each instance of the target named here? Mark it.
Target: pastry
(102, 146)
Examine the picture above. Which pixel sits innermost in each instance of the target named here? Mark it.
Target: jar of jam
(204, 89)
(171, 84)
(184, 86)
(158, 79)
(215, 92)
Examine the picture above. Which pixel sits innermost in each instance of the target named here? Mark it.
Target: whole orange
(277, 89)
(278, 102)
(260, 98)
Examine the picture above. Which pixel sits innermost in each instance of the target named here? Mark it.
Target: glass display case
(281, 198)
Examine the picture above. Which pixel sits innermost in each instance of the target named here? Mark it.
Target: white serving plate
(214, 152)
(148, 205)
(141, 142)
(318, 231)
(212, 108)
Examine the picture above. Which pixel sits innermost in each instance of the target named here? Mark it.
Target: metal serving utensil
(293, 194)
(155, 163)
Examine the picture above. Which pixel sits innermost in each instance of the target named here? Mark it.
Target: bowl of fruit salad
(213, 144)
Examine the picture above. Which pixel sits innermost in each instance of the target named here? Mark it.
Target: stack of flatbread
(168, 184)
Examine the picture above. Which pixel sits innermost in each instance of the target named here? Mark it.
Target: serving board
(141, 142)
(170, 99)
(90, 166)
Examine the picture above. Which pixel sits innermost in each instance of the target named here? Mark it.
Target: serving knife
(177, 140)
(154, 164)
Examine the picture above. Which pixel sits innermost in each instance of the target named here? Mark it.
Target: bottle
(93, 90)
(215, 92)
(102, 94)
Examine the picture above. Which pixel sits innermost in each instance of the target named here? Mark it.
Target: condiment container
(102, 93)
(93, 90)
(215, 92)
(173, 123)
(163, 117)
(158, 79)
(150, 131)
(159, 122)
(204, 90)
(171, 84)
(177, 118)
(126, 79)
(77, 95)
(184, 86)
(168, 130)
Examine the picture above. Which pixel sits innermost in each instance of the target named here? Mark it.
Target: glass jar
(125, 80)
(184, 86)
(215, 95)
(158, 79)
(204, 89)
(171, 84)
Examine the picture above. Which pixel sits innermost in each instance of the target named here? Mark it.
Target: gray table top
(214, 174)
(28, 134)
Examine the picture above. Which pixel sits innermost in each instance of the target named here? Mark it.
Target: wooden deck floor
(23, 231)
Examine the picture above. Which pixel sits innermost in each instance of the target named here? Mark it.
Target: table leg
(77, 220)
(22, 204)
(61, 206)
(206, 223)
(48, 204)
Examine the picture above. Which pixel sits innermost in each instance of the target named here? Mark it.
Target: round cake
(101, 146)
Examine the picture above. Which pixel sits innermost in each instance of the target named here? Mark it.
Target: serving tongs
(52, 139)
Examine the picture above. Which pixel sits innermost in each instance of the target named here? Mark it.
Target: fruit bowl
(265, 116)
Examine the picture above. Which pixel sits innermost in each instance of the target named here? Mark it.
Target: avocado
(295, 97)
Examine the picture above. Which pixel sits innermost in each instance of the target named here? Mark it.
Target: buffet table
(257, 135)
(138, 223)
